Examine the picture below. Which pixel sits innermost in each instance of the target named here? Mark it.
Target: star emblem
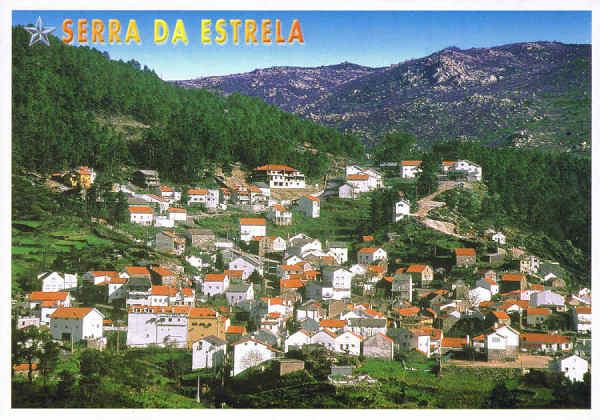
(39, 33)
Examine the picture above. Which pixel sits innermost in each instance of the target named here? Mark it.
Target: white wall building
(573, 367)
(55, 282)
(141, 215)
(250, 352)
(76, 324)
(280, 176)
(208, 352)
(401, 210)
(251, 227)
(370, 255)
(348, 342)
(157, 326)
(410, 168)
(215, 284)
(310, 206)
(177, 214)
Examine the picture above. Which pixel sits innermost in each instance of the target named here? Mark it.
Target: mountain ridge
(509, 94)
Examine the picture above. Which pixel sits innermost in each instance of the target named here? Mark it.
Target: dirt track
(526, 361)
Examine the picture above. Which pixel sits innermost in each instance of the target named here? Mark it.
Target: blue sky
(367, 38)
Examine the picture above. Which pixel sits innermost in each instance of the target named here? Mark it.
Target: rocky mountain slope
(525, 94)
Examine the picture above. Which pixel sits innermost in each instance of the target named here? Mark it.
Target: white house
(251, 227)
(208, 352)
(117, 288)
(303, 246)
(582, 318)
(360, 182)
(55, 282)
(279, 215)
(348, 342)
(375, 179)
(196, 196)
(341, 280)
(498, 237)
(141, 215)
(501, 343)
(76, 324)
(310, 206)
(478, 295)
(280, 176)
(488, 284)
(177, 214)
(212, 198)
(370, 255)
(401, 210)
(297, 340)
(466, 167)
(339, 251)
(573, 367)
(162, 203)
(358, 269)
(97, 277)
(215, 284)
(547, 297)
(157, 326)
(37, 299)
(326, 338)
(347, 190)
(410, 168)
(247, 265)
(250, 352)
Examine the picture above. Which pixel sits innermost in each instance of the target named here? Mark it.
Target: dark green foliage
(502, 397)
(59, 92)
(395, 147)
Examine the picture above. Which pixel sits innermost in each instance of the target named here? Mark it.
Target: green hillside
(64, 97)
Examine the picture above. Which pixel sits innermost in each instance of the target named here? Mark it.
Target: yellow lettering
(114, 28)
(161, 31)
(296, 33)
(179, 33)
(235, 23)
(132, 32)
(249, 29)
(206, 31)
(222, 38)
(266, 31)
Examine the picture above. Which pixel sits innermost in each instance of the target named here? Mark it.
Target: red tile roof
(163, 272)
(197, 192)
(411, 162)
(214, 277)
(275, 168)
(544, 338)
(500, 315)
(367, 250)
(234, 273)
(583, 309)
(464, 252)
(333, 323)
(413, 310)
(157, 290)
(454, 342)
(538, 311)
(236, 329)
(24, 367)
(140, 209)
(202, 313)
(48, 295)
(513, 277)
(137, 271)
(310, 197)
(105, 274)
(375, 269)
(74, 313)
(357, 177)
(252, 221)
(290, 284)
(280, 208)
(386, 337)
(176, 210)
(416, 268)
(368, 238)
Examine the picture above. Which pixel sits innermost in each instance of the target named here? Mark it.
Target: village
(257, 294)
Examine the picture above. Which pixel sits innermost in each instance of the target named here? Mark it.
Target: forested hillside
(61, 92)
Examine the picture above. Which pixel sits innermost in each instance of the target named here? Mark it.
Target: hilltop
(533, 94)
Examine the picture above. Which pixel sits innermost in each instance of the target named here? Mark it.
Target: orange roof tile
(137, 271)
(583, 309)
(367, 250)
(416, 268)
(448, 163)
(413, 310)
(252, 221)
(280, 208)
(196, 192)
(187, 291)
(140, 209)
(105, 273)
(166, 189)
(333, 323)
(48, 295)
(214, 277)
(544, 338)
(400, 270)
(375, 269)
(163, 272)
(513, 277)
(310, 197)
(24, 367)
(367, 238)
(290, 284)
(176, 210)
(234, 273)
(49, 303)
(537, 287)
(357, 177)
(329, 332)
(202, 313)
(454, 342)
(538, 311)
(236, 329)
(275, 168)
(411, 162)
(162, 290)
(74, 313)
(385, 336)
(500, 315)
(465, 252)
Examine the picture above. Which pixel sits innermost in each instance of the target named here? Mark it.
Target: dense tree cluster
(59, 93)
